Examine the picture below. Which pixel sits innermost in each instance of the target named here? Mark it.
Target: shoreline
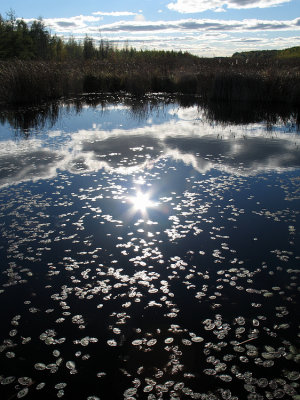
(228, 80)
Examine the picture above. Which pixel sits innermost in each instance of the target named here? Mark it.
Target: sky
(206, 28)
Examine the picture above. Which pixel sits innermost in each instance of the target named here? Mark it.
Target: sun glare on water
(141, 202)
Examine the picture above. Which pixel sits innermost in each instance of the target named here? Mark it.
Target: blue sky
(202, 27)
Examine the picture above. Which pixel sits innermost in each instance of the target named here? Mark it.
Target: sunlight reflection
(141, 202)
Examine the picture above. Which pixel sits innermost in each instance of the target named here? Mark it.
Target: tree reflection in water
(27, 119)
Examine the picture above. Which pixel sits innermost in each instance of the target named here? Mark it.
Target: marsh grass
(32, 82)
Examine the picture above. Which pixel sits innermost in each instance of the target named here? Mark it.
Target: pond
(149, 250)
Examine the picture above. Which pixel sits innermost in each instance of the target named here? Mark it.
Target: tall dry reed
(212, 79)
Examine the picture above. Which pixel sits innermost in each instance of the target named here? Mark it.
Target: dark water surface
(149, 250)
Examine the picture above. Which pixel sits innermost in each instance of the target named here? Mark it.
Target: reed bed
(226, 79)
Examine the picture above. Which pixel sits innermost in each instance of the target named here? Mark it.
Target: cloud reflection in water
(186, 137)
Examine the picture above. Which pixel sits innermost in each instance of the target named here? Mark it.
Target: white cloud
(115, 13)
(193, 6)
(71, 24)
(139, 17)
(204, 37)
(195, 25)
(255, 43)
(87, 24)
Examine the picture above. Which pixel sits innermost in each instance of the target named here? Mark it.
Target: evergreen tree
(88, 48)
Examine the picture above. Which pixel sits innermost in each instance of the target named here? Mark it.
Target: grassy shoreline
(220, 79)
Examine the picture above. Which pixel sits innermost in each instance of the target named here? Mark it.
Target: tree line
(292, 52)
(24, 41)
(33, 41)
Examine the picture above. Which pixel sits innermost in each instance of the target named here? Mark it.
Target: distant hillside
(289, 53)
(292, 52)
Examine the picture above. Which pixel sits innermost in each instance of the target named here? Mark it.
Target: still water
(149, 250)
